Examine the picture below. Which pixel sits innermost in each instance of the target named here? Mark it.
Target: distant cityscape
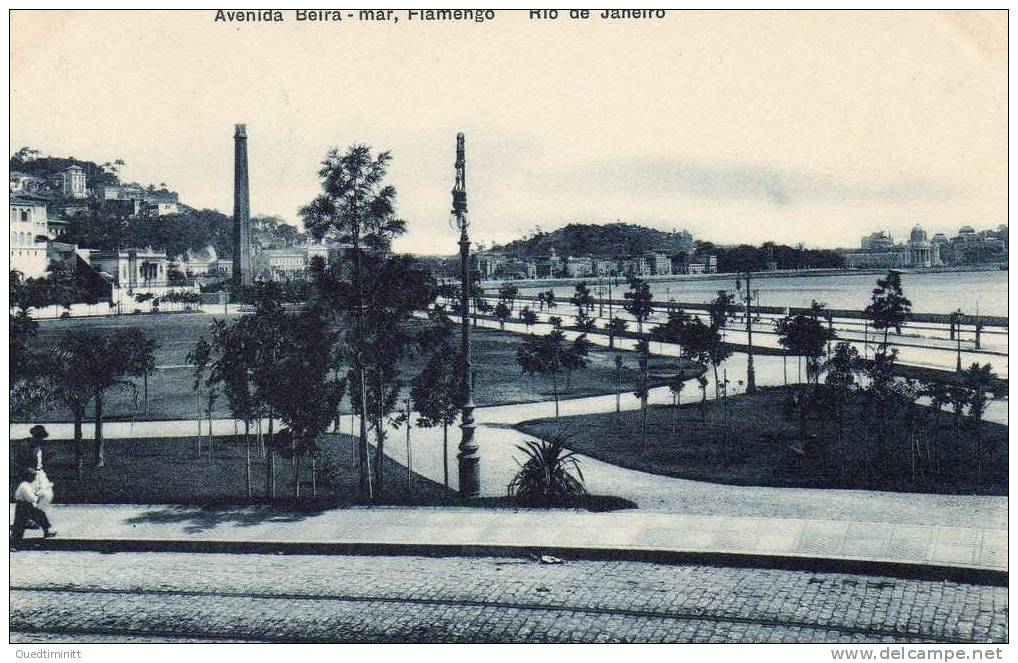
(43, 205)
(59, 192)
(966, 247)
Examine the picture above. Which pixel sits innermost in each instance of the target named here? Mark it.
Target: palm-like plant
(549, 472)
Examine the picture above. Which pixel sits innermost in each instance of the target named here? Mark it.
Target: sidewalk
(620, 535)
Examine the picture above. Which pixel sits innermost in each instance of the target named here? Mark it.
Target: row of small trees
(78, 372)
(808, 336)
(349, 340)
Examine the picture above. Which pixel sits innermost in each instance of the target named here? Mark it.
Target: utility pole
(469, 460)
(750, 372)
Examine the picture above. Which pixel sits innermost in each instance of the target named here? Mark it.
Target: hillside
(607, 240)
(29, 161)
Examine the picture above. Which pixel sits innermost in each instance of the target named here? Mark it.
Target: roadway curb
(855, 566)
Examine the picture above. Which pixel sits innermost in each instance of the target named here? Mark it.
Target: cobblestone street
(137, 597)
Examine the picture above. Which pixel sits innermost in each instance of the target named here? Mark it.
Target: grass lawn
(167, 471)
(764, 439)
(497, 378)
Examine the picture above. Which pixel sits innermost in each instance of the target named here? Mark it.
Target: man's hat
(38, 431)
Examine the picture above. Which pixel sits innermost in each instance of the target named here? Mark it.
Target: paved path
(653, 492)
(629, 530)
(913, 350)
(167, 597)
(649, 491)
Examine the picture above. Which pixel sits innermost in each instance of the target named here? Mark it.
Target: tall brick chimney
(241, 211)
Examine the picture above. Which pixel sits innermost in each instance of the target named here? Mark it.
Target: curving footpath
(678, 519)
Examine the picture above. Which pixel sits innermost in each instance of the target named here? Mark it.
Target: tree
(306, 395)
(721, 310)
(107, 360)
(267, 327)
(885, 396)
(199, 358)
(671, 330)
(638, 301)
(888, 308)
(144, 361)
(69, 385)
(576, 357)
(978, 381)
(549, 299)
(549, 355)
(702, 343)
(235, 351)
(804, 335)
(356, 206)
(642, 390)
(502, 313)
(582, 299)
(615, 327)
(437, 395)
(555, 321)
(841, 368)
(618, 383)
(507, 293)
(399, 288)
(675, 385)
(528, 317)
(585, 323)
(27, 391)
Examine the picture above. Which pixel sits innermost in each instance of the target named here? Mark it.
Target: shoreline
(781, 273)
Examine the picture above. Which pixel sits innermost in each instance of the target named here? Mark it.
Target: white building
(29, 234)
(25, 183)
(70, 182)
(133, 269)
(281, 264)
(203, 262)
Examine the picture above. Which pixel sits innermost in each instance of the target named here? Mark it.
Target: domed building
(920, 251)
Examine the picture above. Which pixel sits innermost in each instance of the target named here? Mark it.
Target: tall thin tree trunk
(212, 439)
(100, 444)
(554, 388)
(199, 421)
(675, 415)
(314, 476)
(270, 465)
(79, 445)
(365, 472)
(296, 475)
(618, 390)
(445, 452)
(247, 455)
(380, 456)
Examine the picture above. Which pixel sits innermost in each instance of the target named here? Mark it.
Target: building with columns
(29, 234)
(133, 269)
(920, 251)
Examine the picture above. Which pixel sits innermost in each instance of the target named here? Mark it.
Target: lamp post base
(469, 460)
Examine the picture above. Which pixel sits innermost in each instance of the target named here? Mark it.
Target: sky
(812, 127)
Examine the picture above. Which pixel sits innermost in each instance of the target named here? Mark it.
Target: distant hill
(25, 161)
(609, 239)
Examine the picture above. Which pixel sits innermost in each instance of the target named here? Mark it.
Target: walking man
(26, 510)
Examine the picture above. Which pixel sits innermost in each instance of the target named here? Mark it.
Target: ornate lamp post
(469, 461)
(750, 372)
